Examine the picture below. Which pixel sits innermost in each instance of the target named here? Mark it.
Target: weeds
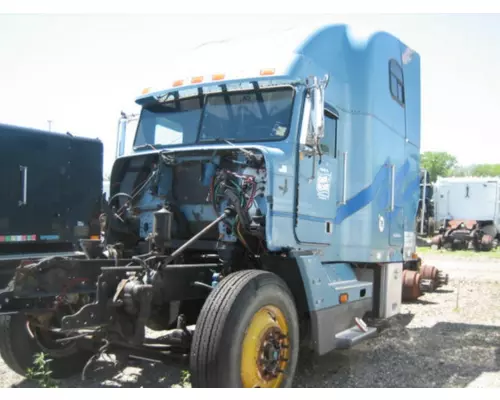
(41, 372)
(185, 381)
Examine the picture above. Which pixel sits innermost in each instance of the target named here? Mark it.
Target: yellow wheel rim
(265, 349)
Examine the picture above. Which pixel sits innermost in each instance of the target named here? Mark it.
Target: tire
(490, 230)
(222, 354)
(18, 348)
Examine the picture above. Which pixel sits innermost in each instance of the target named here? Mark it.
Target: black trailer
(50, 194)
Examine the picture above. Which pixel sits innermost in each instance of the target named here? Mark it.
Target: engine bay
(195, 187)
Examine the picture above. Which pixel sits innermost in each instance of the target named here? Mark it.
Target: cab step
(352, 336)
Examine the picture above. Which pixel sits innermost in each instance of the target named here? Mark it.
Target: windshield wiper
(247, 152)
(144, 146)
(219, 139)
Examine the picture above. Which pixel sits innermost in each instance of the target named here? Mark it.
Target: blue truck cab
(269, 200)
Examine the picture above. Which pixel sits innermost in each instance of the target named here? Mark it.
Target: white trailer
(468, 204)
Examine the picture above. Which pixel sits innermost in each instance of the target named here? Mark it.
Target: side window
(396, 82)
(329, 141)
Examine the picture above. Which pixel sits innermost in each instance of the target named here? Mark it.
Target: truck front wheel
(247, 334)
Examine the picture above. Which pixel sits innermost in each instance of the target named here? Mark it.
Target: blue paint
(209, 172)
(363, 198)
(411, 190)
(164, 181)
(324, 283)
(367, 195)
(372, 128)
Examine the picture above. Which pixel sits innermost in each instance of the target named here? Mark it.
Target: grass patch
(460, 253)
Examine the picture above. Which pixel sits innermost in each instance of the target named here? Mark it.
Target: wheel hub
(265, 349)
(271, 354)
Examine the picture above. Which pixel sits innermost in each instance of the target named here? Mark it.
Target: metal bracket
(92, 315)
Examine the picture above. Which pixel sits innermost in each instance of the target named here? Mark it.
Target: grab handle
(393, 183)
(24, 185)
(344, 178)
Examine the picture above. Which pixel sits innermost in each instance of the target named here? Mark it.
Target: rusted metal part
(459, 235)
(466, 234)
(437, 277)
(411, 285)
(467, 223)
(428, 272)
(442, 279)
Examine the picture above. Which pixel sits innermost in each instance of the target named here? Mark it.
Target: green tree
(462, 170)
(486, 170)
(438, 163)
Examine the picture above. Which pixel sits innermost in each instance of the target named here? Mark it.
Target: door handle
(24, 185)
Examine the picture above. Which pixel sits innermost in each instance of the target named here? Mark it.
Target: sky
(80, 71)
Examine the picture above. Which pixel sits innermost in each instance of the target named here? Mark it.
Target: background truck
(468, 212)
(425, 212)
(269, 201)
(50, 194)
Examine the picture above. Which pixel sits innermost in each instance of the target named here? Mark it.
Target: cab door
(316, 190)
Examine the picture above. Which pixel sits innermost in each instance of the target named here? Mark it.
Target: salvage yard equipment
(419, 279)
(468, 210)
(269, 202)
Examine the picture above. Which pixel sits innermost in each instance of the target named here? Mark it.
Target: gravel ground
(432, 343)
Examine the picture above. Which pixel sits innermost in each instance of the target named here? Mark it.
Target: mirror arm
(313, 176)
(316, 89)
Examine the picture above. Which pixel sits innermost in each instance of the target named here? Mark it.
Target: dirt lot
(447, 339)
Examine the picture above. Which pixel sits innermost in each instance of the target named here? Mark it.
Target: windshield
(247, 116)
(170, 123)
(238, 116)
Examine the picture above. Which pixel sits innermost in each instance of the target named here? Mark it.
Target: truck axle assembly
(425, 279)
(466, 235)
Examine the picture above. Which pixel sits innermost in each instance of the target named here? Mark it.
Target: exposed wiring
(252, 196)
(244, 188)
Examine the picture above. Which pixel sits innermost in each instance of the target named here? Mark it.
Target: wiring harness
(230, 188)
